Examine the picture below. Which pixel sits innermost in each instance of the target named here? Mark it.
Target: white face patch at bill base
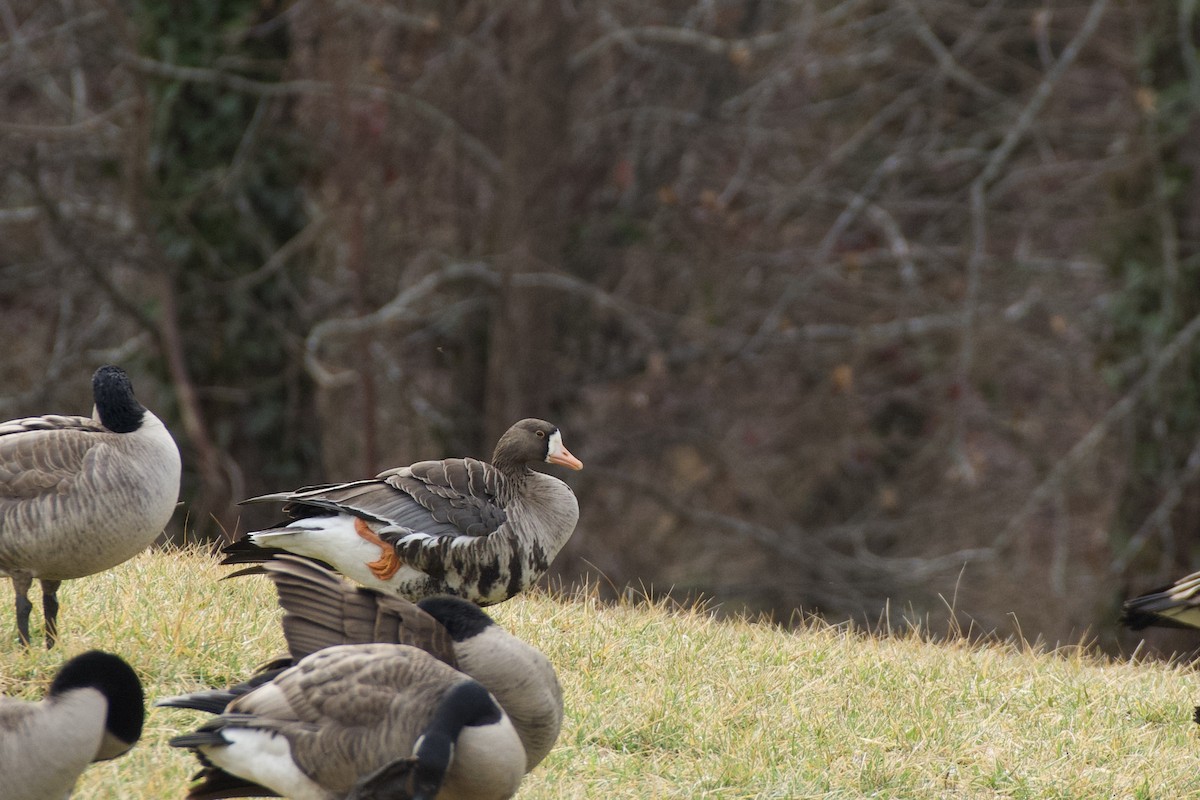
(556, 445)
(557, 453)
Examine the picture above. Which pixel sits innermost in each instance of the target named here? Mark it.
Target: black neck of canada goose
(420, 776)
(461, 619)
(467, 704)
(520, 677)
(116, 406)
(116, 680)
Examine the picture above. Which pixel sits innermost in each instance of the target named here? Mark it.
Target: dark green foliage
(1154, 301)
(224, 192)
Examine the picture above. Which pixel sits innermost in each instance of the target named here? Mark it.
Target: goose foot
(388, 563)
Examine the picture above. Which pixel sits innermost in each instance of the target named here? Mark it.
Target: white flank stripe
(266, 759)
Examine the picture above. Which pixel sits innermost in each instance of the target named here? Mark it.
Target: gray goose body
(93, 712)
(318, 730)
(80, 495)
(321, 610)
(481, 531)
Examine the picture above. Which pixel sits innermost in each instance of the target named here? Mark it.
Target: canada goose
(80, 495)
(322, 610)
(1174, 606)
(341, 714)
(483, 532)
(93, 712)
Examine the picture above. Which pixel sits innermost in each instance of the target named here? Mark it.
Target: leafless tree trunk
(530, 224)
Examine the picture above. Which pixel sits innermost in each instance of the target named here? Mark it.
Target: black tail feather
(199, 738)
(244, 551)
(214, 783)
(215, 701)
(1136, 619)
(212, 701)
(256, 569)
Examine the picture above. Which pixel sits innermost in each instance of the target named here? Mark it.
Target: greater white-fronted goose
(322, 610)
(1174, 606)
(480, 531)
(80, 495)
(332, 725)
(93, 712)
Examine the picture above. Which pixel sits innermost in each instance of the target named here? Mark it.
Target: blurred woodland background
(873, 308)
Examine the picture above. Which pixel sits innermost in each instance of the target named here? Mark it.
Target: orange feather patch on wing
(388, 563)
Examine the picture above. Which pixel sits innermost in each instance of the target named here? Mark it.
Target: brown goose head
(529, 441)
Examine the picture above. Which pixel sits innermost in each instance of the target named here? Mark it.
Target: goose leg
(21, 583)
(50, 610)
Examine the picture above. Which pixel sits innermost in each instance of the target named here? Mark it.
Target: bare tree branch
(282, 255)
(682, 37)
(473, 146)
(1082, 448)
(81, 127)
(1159, 520)
(402, 308)
(946, 60)
(858, 201)
(978, 204)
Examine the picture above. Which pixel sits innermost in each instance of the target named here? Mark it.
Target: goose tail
(1174, 606)
(212, 701)
(245, 551)
(214, 783)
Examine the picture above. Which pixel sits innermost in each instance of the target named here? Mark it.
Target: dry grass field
(670, 703)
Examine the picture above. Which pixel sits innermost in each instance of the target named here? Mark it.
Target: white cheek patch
(556, 445)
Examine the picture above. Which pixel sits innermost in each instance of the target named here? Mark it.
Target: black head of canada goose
(330, 725)
(322, 610)
(480, 531)
(80, 495)
(93, 712)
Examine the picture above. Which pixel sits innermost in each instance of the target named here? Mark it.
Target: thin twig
(402, 308)
(683, 37)
(996, 162)
(858, 201)
(1062, 469)
(473, 146)
(946, 61)
(1160, 518)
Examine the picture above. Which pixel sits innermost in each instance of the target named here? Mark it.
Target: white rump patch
(266, 759)
(331, 539)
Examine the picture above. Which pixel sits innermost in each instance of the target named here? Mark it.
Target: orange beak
(563, 458)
